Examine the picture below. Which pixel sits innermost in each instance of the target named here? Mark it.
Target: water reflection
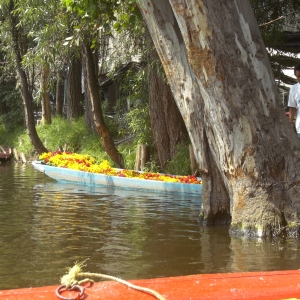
(259, 254)
(46, 226)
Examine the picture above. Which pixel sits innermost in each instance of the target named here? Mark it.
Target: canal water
(45, 227)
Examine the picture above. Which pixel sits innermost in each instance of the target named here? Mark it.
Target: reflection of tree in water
(222, 253)
(256, 254)
(16, 213)
(215, 249)
(155, 236)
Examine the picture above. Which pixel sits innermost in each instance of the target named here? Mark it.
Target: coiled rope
(70, 280)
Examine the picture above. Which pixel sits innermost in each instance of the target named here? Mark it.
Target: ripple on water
(46, 226)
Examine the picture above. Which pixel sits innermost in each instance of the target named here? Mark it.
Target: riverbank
(75, 137)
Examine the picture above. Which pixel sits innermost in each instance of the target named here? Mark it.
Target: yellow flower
(88, 164)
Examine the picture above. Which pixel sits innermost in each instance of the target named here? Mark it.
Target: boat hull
(5, 153)
(257, 285)
(87, 178)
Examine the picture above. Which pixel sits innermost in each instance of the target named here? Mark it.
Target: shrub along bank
(83, 140)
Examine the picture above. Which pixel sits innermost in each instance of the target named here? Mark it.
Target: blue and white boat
(94, 179)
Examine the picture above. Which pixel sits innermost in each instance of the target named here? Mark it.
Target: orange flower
(88, 164)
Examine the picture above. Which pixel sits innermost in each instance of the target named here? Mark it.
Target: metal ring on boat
(75, 287)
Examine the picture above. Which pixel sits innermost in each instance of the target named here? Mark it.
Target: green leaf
(117, 25)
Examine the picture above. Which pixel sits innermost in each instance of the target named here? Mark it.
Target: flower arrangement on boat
(87, 163)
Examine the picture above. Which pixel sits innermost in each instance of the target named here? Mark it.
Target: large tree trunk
(93, 90)
(26, 95)
(46, 108)
(221, 79)
(166, 121)
(74, 94)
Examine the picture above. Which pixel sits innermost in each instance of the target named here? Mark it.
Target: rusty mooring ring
(73, 288)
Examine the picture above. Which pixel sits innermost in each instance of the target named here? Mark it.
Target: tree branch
(268, 23)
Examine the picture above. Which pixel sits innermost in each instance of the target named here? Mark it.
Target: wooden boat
(87, 178)
(5, 153)
(233, 286)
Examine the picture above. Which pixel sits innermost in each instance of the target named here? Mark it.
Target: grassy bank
(76, 137)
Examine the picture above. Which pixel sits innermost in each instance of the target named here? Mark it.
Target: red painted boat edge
(277, 285)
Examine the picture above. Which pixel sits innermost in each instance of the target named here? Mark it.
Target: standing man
(294, 101)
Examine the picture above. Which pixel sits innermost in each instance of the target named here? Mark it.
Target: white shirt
(294, 101)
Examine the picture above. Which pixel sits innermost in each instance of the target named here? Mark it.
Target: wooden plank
(277, 285)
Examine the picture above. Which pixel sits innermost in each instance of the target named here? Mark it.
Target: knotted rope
(71, 279)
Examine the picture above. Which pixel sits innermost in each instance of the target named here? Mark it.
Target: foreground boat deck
(255, 285)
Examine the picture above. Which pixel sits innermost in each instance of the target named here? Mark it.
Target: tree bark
(74, 96)
(60, 94)
(46, 109)
(18, 45)
(93, 90)
(166, 121)
(87, 100)
(221, 79)
(3, 108)
(3, 112)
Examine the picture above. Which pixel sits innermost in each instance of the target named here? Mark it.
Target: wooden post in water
(16, 154)
(23, 157)
(137, 165)
(145, 157)
(142, 157)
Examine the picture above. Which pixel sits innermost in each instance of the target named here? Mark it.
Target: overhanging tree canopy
(278, 22)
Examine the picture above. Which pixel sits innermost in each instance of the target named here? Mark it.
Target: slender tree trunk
(3, 111)
(3, 108)
(87, 100)
(221, 79)
(60, 94)
(46, 108)
(26, 95)
(93, 89)
(74, 94)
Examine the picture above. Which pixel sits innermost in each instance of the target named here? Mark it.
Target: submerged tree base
(247, 230)
(291, 230)
(220, 218)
